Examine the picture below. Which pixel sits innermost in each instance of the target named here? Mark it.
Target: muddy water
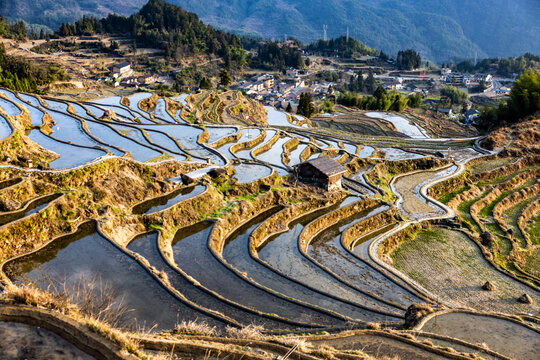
(147, 246)
(500, 335)
(327, 250)
(414, 205)
(21, 341)
(9, 108)
(217, 133)
(192, 255)
(455, 346)
(246, 173)
(380, 347)
(70, 156)
(5, 128)
(33, 207)
(87, 257)
(165, 202)
(236, 253)
(109, 136)
(281, 253)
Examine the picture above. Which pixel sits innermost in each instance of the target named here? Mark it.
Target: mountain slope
(54, 12)
(439, 29)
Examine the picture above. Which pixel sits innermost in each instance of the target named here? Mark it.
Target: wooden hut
(322, 171)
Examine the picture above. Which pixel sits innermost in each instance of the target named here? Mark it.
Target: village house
(122, 70)
(322, 171)
(393, 86)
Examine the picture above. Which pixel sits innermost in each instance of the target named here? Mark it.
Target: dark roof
(326, 165)
(122, 65)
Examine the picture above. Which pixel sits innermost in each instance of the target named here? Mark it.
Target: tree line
(524, 102)
(18, 74)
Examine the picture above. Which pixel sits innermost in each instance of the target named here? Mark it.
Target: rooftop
(326, 165)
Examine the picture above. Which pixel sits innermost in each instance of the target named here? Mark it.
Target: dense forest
(20, 75)
(380, 100)
(273, 55)
(15, 31)
(502, 66)
(408, 60)
(159, 24)
(344, 47)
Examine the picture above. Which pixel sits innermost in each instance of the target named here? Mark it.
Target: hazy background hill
(438, 29)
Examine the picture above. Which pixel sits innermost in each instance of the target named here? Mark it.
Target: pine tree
(225, 78)
(289, 108)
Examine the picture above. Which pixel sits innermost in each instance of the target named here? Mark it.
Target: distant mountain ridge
(439, 29)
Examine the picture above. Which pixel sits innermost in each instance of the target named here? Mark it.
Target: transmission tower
(325, 29)
(347, 34)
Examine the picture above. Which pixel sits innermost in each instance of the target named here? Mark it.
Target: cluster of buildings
(268, 90)
(123, 74)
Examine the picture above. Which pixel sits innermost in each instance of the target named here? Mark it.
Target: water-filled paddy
(394, 154)
(366, 151)
(70, 155)
(5, 128)
(162, 113)
(21, 341)
(88, 257)
(246, 173)
(9, 108)
(217, 133)
(34, 206)
(236, 253)
(147, 246)
(281, 253)
(113, 100)
(500, 335)
(109, 136)
(403, 125)
(167, 201)
(277, 118)
(295, 154)
(273, 156)
(192, 255)
(326, 248)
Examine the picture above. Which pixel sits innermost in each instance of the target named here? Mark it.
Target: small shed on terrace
(322, 171)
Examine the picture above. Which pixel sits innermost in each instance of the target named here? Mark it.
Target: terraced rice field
(177, 224)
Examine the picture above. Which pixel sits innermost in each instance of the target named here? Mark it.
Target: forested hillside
(440, 30)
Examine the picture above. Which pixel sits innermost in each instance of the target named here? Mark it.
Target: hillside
(439, 29)
(54, 12)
